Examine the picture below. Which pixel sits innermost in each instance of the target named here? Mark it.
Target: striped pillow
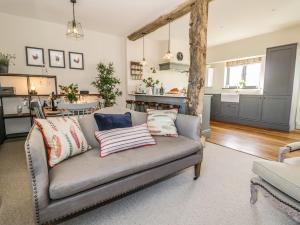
(116, 140)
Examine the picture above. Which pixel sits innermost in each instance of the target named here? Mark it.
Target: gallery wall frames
(56, 58)
(35, 56)
(76, 60)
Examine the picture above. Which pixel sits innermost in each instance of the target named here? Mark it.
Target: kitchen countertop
(165, 95)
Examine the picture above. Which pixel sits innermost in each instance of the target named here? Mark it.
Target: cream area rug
(219, 197)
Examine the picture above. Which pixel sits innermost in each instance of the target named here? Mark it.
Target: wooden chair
(139, 106)
(130, 103)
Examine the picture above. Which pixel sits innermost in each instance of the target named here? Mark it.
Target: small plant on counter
(107, 84)
(70, 92)
(149, 82)
(5, 61)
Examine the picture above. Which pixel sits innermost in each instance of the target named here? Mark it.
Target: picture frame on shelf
(56, 58)
(35, 56)
(76, 61)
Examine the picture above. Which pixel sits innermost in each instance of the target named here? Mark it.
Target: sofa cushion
(89, 125)
(113, 121)
(283, 176)
(88, 170)
(120, 139)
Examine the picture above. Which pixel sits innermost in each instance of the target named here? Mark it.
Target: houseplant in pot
(70, 92)
(5, 60)
(150, 84)
(107, 84)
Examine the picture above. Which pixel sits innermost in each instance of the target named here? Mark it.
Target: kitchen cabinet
(280, 69)
(215, 106)
(276, 109)
(229, 110)
(250, 107)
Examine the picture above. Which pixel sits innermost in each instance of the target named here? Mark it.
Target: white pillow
(119, 139)
(63, 138)
(162, 122)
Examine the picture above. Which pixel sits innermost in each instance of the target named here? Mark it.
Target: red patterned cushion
(63, 138)
(120, 139)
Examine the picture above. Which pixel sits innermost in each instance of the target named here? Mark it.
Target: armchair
(279, 181)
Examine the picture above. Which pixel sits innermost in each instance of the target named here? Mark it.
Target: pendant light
(169, 55)
(144, 62)
(74, 27)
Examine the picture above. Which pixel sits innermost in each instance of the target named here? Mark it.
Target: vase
(149, 91)
(3, 68)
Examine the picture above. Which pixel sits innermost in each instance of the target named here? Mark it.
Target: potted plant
(150, 84)
(5, 60)
(70, 92)
(106, 84)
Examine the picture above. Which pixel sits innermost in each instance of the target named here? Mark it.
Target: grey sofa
(87, 180)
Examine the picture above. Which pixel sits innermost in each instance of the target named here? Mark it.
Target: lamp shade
(74, 30)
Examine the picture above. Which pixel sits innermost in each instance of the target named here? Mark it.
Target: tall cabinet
(278, 85)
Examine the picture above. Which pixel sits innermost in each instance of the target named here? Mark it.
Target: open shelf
(16, 115)
(16, 135)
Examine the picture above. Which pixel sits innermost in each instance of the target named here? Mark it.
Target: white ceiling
(229, 20)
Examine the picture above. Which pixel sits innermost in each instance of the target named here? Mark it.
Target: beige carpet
(219, 197)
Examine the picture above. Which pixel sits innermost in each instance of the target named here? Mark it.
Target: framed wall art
(56, 58)
(76, 60)
(35, 56)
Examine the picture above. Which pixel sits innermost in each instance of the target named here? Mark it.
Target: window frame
(243, 77)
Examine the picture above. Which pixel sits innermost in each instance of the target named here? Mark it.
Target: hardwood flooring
(255, 141)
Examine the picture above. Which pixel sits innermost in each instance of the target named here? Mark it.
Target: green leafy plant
(6, 59)
(107, 84)
(149, 82)
(70, 92)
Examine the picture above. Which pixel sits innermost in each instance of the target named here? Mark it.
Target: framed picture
(76, 60)
(35, 56)
(56, 58)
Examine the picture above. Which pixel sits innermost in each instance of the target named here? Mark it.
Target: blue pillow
(112, 121)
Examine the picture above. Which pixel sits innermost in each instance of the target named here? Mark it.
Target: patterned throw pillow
(119, 139)
(162, 122)
(63, 138)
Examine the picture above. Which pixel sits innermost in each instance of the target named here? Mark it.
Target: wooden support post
(198, 47)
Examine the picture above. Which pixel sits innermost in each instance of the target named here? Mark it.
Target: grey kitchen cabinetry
(250, 107)
(276, 109)
(215, 106)
(280, 69)
(2, 126)
(229, 109)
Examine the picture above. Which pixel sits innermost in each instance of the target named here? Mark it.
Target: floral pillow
(63, 138)
(162, 122)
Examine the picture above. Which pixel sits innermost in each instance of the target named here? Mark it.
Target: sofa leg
(253, 198)
(197, 170)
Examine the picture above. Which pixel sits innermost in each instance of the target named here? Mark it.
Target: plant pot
(3, 68)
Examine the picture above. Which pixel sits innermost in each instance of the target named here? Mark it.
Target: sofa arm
(189, 126)
(295, 146)
(38, 169)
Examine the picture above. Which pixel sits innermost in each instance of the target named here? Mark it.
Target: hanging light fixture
(169, 55)
(143, 62)
(74, 27)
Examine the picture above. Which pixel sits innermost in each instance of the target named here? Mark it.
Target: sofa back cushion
(63, 138)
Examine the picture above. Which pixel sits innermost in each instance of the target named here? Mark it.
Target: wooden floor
(255, 141)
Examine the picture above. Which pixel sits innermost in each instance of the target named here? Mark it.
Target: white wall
(154, 52)
(18, 32)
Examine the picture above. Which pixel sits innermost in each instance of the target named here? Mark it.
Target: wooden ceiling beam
(178, 12)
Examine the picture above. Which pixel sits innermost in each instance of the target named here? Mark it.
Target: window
(209, 77)
(243, 73)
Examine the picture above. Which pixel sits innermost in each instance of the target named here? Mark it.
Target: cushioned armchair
(279, 181)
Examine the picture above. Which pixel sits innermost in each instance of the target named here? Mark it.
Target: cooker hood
(180, 67)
